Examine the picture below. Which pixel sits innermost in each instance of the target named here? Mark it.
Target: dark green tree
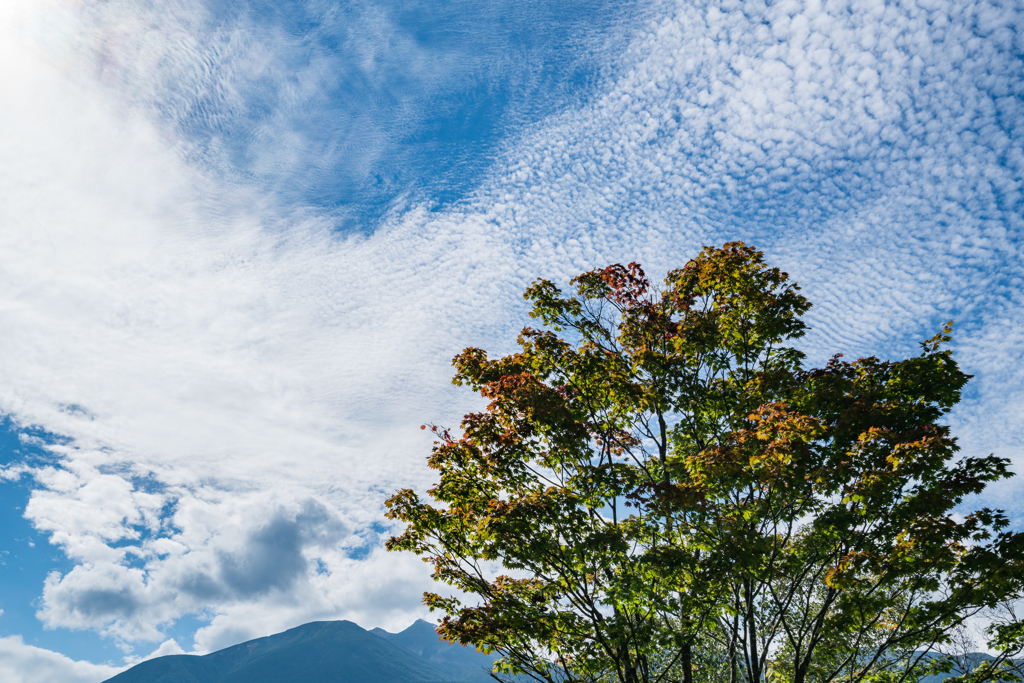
(659, 490)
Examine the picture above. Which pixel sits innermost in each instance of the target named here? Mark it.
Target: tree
(960, 656)
(667, 494)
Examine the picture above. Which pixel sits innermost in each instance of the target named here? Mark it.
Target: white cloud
(382, 589)
(21, 663)
(168, 647)
(872, 149)
(218, 551)
(240, 383)
(13, 472)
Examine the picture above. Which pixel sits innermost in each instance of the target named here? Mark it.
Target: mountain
(324, 652)
(422, 639)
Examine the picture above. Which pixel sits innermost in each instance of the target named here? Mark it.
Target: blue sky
(240, 242)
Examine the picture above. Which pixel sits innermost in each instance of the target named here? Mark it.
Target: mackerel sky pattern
(243, 240)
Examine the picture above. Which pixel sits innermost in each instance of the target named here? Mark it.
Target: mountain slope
(421, 639)
(323, 652)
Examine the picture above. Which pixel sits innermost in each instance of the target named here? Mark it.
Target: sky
(240, 242)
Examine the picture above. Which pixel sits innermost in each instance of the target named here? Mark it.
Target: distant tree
(659, 490)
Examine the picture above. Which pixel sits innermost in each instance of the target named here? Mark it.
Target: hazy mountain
(324, 652)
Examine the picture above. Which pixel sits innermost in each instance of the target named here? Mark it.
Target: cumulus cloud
(21, 663)
(209, 552)
(241, 385)
(380, 588)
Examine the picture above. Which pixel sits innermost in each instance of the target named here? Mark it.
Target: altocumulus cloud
(240, 383)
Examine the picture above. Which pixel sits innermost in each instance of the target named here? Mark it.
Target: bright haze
(241, 240)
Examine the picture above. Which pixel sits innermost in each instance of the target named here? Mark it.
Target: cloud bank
(21, 663)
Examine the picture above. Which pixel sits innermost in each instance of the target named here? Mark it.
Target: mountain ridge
(324, 652)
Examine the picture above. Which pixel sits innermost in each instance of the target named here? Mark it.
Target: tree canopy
(660, 490)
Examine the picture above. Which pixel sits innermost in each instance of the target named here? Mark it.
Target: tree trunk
(686, 662)
(754, 659)
(733, 637)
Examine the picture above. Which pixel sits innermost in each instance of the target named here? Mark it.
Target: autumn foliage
(659, 490)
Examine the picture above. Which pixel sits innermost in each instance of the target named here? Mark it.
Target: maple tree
(658, 490)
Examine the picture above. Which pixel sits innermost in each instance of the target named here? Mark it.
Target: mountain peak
(326, 652)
